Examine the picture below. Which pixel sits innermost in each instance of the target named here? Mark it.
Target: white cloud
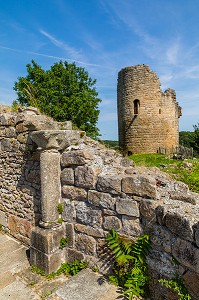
(173, 52)
(75, 54)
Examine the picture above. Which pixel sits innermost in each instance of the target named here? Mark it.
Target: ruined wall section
(20, 187)
(20, 178)
(100, 190)
(156, 123)
(170, 112)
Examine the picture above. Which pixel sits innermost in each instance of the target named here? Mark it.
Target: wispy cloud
(51, 56)
(75, 54)
(172, 53)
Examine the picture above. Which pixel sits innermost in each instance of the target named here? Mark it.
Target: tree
(65, 92)
(195, 144)
(186, 138)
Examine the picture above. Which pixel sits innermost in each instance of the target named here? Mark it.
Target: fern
(177, 285)
(130, 268)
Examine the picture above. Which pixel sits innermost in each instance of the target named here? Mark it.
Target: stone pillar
(45, 250)
(50, 187)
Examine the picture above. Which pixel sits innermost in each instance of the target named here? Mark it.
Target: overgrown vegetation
(130, 268)
(66, 268)
(177, 285)
(176, 168)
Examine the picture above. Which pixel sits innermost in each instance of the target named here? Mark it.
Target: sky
(104, 36)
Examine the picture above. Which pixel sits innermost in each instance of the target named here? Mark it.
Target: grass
(176, 168)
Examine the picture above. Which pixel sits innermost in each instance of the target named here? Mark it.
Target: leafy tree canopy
(191, 139)
(186, 138)
(65, 92)
(195, 144)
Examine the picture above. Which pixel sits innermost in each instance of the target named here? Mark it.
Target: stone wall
(20, 179)
(154, 124)
(99, 190)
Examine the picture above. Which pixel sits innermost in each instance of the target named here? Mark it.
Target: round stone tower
(147, 117)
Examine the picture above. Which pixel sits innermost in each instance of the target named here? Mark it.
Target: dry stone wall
(99, 190)
(153, 123)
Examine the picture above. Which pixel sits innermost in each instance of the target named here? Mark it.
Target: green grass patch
(176, 168)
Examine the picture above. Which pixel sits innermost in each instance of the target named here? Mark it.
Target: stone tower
(147, 117)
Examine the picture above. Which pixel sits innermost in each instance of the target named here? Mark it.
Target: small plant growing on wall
(60, 221)
(130, 268)
(60, 208)
(63, 242)
(178, 286)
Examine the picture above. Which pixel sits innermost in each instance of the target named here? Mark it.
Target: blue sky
(104, 36)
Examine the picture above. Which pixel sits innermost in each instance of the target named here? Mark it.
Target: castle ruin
(45, 165)
(147, 117)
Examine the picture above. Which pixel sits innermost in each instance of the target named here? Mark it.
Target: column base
(45, 252)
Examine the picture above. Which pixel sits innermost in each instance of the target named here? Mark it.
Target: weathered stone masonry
(147, 117)
(99, 190)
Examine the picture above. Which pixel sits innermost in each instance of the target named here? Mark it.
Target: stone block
(85, 244)
(86, 176)
(38, 122)
(89, 230)
(69, 212)
(2, 131)
(3, 219)
(73, 254)
(56, 139)
(76, 157)
(131, 226)
(186, 253)
(140, 185)
(10, 132)
(101, 199)
(8, 119)
(47, 240)
(191, 281)
(160, 237)
(160, 214)
(74, 193)
(162, 263)
(109, 212)
(148, 209)
(5, 144)
(70, 234)
(127, 207)
(112, 222)
(88, 216)
(19, 226)
(47, 262)
(67, 176)
(20, 127)
(179, 224)
(109, 184)
(197, 235)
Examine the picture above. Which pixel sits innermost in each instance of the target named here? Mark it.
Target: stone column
(50, 187)
(45, 250)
